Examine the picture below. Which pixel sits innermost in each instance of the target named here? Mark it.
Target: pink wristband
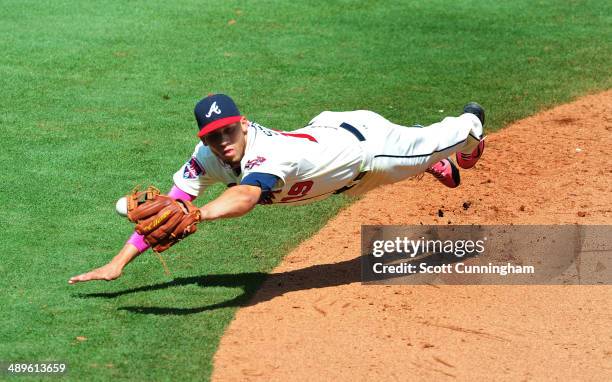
(178, 194)
(137, 240)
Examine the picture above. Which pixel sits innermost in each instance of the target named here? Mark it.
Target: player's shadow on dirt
(257, 286)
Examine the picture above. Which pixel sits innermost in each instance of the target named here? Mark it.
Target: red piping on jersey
(297, 135)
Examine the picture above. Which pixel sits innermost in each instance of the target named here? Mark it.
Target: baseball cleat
(446, 172)
(477, 110)
(467, 161)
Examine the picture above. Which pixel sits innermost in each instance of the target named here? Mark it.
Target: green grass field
(98, 97)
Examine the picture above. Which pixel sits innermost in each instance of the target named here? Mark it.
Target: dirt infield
(313, 320)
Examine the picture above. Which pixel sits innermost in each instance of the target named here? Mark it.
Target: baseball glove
(162, 220)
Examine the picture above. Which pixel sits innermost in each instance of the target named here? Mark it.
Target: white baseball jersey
(310, 163)
(352, 151)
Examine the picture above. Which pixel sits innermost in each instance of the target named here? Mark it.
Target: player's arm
(235, 201)
(241, 199)
(189, 181)
(113, 269)
(132, 248)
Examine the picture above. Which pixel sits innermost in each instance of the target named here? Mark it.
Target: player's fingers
(75, 279)
(83, 277)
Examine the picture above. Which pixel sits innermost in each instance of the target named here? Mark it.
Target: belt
(351, 129)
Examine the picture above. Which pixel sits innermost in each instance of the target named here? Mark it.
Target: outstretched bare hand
(107, 272)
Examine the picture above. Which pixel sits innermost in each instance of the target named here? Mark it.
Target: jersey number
(298, 190)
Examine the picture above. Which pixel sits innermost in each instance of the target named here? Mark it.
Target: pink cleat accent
(446, 172)
(469, 160)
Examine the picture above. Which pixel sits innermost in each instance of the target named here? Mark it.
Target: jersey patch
(254, 162)
(192, 169)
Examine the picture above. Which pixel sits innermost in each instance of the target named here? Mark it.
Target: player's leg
(444, 171)
(469, 159)
(440, 140)
(405, 152)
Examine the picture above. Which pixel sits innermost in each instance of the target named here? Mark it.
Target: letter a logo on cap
(214, 112)
(213, 109)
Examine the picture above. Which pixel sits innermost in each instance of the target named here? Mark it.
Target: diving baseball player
(337, 152)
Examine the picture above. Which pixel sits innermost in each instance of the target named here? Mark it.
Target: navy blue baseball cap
(215, 112)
